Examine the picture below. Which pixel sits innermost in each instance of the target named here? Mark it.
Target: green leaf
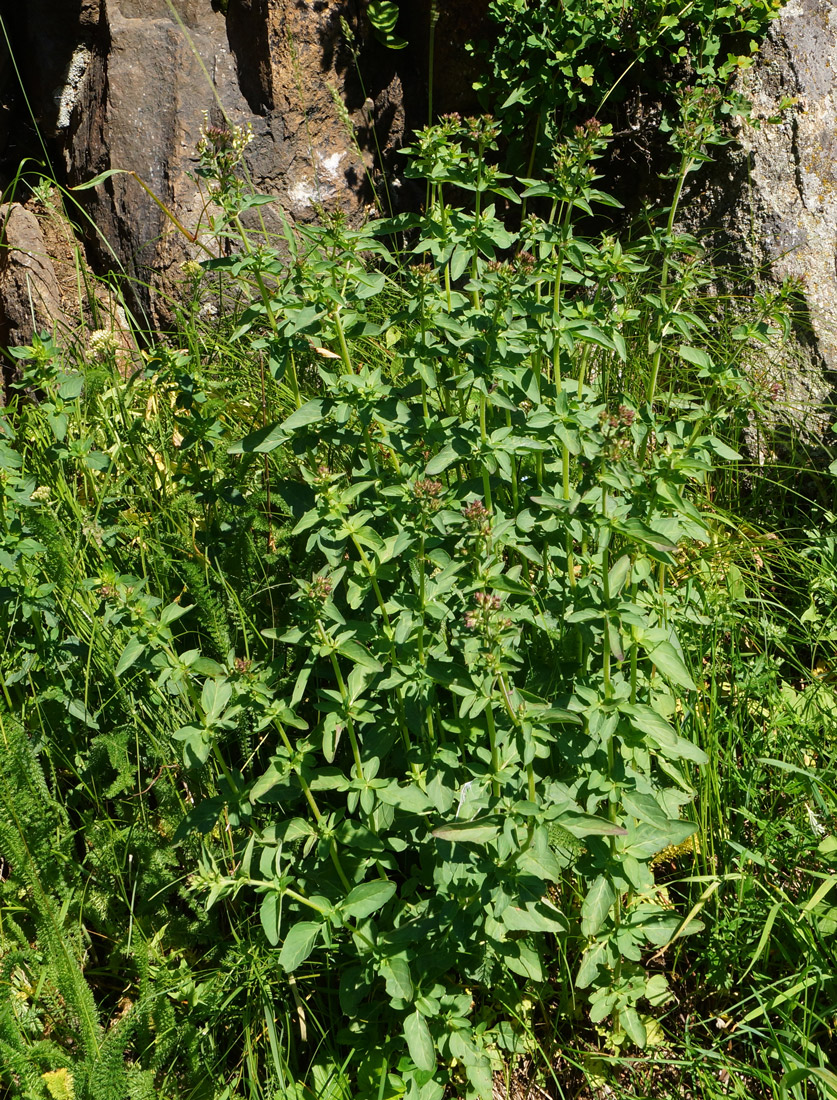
(644, 807)
(544, 864)
(201, 817)
(130, 654)
(420, 1042)
(658, 930)
(396, 974)
(9, 459)
(801, 1073)
(660, 545)
(478, 831)
(360, 655)
(215, 696)
(723, 451)
(595, 956)
(101, 178)
(657, 990)
(459, 261)
(269, 438)
(172, 612)
(249, 201)
(696, 356)
(408, 798)
(521, 959)
(78, 710)
(272, 777)
(543, 917)
(298, 945)
(383, 15)
(646, 720)
(481, 1078)
(597, 905)
(646, 840)
(619, 574)
(365, 899)
(196, 746)
(827, 846)
(556, 716)
(442, 460)
(670, 664)
(269, 916)
(71, 387)
(521, 94)
(634, 1027)
(582, 825)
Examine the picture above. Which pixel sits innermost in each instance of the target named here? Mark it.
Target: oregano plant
(469, 729)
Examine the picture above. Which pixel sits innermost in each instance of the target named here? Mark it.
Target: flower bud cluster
(220, 151)
(478, 517)
(487, 603)
(427, 493)
(101, 345)
(424, 274)
(224, 142)
(320, 589)
(488, 623)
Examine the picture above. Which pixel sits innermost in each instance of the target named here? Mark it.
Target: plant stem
(486, 481)
(431, 50)
(495, 759)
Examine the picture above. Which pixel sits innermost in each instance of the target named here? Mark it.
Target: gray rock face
(772, 199)
(769, 204)
(793, 164)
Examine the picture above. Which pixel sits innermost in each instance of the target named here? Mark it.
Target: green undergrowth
(546, 65)
(413, 683)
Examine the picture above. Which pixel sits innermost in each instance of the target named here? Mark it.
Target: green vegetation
(410, 687)
(550, 61)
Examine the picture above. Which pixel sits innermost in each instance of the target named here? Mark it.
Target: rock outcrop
(30, 297)
(793, 163)
(46, 286)
(128, 84)
(772, 197)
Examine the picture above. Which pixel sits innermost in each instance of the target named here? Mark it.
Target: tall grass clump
(392, 703)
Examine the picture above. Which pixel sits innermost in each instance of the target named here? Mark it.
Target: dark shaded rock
(248, 38)
(140, 107)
